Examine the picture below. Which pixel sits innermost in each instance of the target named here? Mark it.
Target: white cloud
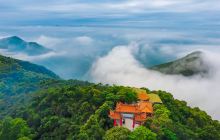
(61, 48)
(48, 41)
(24, 56)
(120, 67)
(84, 40)
(68, 46)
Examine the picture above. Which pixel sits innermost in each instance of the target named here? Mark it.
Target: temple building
(133, 115)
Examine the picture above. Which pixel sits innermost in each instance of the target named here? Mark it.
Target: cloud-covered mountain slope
(16, 44)
(189, 65)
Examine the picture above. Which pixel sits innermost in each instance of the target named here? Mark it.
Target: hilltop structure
(134, 115)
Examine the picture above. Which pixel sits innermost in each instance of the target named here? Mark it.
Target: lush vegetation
(190, 65)
(20, 76)
(14, 129)
(79, 110)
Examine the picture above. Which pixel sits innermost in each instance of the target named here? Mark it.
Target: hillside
(16, 44)
(79, 111)
(60, 109)
(20, 76)
(189, 65)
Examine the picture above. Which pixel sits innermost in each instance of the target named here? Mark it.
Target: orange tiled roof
(114, 115)
(145, 107)
(143, 96)
(135, 108)
(128, 108)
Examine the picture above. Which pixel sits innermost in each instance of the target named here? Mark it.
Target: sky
(115, 41)
(109, 13)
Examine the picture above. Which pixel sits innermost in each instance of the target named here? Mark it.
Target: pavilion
(133, 115)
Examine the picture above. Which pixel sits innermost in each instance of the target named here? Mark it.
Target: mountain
(189, 65)
(60, 109)
(20, 76)
(79, 111)
(16, 44)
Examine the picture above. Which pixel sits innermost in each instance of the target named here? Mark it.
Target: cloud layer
(120, 67)
(84, 33)
(114, 12)
(77, 48)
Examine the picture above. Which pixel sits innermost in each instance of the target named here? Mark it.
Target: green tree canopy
(117, 133)
(13, 129)
(142, 133)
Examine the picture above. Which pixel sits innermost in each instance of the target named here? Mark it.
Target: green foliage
(93, 128)
(21, 77)
(13, 129)
(168, 134)
(24, 138)
(117, 133)
(127, 95)
(209, 133)
(161, 123)
(72, 110)
(79, 110)
(161, 116)
(186, 122)
(142, 133)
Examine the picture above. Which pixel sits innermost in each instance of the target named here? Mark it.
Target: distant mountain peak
(189, 65)
(12, 40)
(14, 37)
(195, 54)
(16, 44)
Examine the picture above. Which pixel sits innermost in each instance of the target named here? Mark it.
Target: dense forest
(79, 110)
(36, 104)
(19, 77)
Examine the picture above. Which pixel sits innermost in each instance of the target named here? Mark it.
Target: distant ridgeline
(190, 65)
(20, 76)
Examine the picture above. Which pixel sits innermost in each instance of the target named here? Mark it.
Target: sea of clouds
(121, 56)
(121, 67)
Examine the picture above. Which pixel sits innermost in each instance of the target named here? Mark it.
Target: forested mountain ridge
(16, 44)
(20, 76)
(191, 64)
(79, 110)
